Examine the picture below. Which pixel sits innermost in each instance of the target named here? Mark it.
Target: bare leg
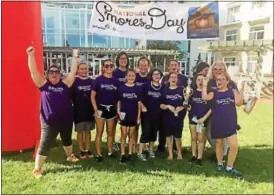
(170, 147)
(193, 140)
(111, 127)
(220, 150)
(233, 150)
(123, 139)
(100, 123)
(179, 148)
(80, 140)
(131, 141)
(201, 143)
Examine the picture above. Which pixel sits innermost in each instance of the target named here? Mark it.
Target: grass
(157, 176)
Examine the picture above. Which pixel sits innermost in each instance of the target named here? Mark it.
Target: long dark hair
(149, 76)
(193, 84)
(118, 57)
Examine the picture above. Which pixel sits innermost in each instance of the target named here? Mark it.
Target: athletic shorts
(107, 112)
(84, 126)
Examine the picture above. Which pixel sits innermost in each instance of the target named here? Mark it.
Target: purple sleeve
(42, 88)
(163, 101)
(184, 80)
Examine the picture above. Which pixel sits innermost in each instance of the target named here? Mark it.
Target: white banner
(155, 21)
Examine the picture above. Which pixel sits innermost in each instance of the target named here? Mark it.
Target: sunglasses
(108, 66)
(54, 72)
(218, 69)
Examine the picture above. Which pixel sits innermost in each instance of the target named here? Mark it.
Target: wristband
(118, 109)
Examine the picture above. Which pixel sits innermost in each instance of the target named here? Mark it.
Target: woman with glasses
(151, 112)
(104, 97)
(122, 63)
(56, 109)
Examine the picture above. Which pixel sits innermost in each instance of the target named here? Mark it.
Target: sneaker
(123, 159)
(82, 155)
(89, 154)
(130, 157)
(111, 155)
(142, 157)
(99, 158)
(192, 160)
(37, 173)
(233, 172)
(151, 154)
(220, 167)
(72, 158)
(199, 162)
(115, 147)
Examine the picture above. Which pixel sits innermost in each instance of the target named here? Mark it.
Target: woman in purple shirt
(224, 120)
(129, 109)
(104, 97)
(83, 110)
(56, 109)
(200, 111)
(173, 114)
(151, 112)
(122, 63)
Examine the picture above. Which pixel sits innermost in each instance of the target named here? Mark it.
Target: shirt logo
(55, 89)
(225, 101)
(84, 88)
(174, 97)
(154, 94)
(198, 100)
(108, 87)
(122, 80)
(129, 95)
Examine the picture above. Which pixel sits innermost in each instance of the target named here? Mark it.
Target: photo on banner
(203, 21)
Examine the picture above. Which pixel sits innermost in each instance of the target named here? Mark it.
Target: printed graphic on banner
(203, 22)
(154, 21)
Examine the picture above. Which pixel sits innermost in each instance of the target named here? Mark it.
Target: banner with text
(155, 21)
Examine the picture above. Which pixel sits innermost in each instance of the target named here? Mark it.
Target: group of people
(146, 98)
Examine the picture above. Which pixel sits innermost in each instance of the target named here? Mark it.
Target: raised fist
(30, 50)
(75, 52)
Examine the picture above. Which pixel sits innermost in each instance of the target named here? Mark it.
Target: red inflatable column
(21, 27)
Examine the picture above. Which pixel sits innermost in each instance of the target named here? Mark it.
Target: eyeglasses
(122, 58)
(221, 79)
(108, 66)
(54, 72)
(218, 69)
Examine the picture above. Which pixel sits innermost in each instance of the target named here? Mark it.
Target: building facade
(240, 21)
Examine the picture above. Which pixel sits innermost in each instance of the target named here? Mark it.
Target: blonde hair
(213, 66)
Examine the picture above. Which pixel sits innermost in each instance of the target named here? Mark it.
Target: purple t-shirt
(173, 97)
(56, 105)
(106, 90)
(129, 98)
(82, 107)
(140, 81)
(120, 75)
(182, 79)
(224, 115)
(152, 99)
(199, 106)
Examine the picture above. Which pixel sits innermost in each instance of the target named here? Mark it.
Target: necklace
(154, 87)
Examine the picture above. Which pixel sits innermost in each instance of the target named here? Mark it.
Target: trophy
(249, 96)
(187, 92)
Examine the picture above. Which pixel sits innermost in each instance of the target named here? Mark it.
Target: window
(231, 35)
(258, 4)
(232, 13)
(251, 64)
(256, 33)
(230, 61)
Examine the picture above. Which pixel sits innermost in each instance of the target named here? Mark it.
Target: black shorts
(174, 131)
(108, 112)
(128, 123)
